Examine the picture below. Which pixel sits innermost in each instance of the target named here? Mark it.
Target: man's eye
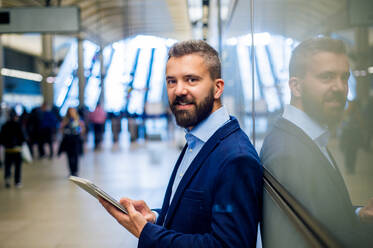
(191, 80)
(171, 81)
(327, 76)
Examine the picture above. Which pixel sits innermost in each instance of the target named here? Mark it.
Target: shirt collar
(205, 129)
(314, 130)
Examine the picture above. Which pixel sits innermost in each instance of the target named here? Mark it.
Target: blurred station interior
(113, 53)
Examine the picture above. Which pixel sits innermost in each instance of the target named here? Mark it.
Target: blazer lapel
(339, 178)
(194, 167)
(333, 174)
(166, 201)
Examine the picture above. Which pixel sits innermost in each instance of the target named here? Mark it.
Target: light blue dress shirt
(196, 138)
(319, 134)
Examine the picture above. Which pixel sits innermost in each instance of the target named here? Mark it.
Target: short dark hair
(208, 53)
(302, 53)
(12, 114)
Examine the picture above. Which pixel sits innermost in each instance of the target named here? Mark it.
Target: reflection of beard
(322, 113)
(190, 118)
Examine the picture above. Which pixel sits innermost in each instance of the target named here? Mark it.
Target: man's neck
(216, 106)
(301, 119)
(299, 106)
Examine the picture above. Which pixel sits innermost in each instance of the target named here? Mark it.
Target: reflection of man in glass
(213, 197)
(295, 151)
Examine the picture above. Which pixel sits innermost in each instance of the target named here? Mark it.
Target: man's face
(324, 87)
(190, 89)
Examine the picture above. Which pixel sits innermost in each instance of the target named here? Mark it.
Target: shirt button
(190, 150)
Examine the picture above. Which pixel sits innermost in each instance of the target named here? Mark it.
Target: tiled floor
(49, 211)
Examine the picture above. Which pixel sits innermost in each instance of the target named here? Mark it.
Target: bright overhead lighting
(51, 80)
(232, 41)
(259, 39)
(21, 74)
(370, 70)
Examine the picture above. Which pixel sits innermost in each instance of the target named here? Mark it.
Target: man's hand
(138, 214)
(141, 207)
(366, 213)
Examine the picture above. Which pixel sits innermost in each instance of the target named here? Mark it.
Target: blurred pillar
(102, 76)
(81, 72)
(1, 76)
(362, 55)
(220, 30)
(47, 56)
(205, 18)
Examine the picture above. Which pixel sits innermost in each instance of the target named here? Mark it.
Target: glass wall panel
(158, 75)
(318, 141)
(115, 80)
(65, 76)
(313, 108)
(136, 104)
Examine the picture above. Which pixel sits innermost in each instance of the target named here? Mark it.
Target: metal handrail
(310, 228)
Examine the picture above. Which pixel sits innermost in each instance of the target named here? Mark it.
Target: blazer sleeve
(235, 211)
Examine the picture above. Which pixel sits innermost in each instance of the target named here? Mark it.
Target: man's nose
(340, 84)
(180, 89)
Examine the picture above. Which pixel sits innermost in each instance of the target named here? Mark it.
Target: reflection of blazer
(299, 165)
(217, 203)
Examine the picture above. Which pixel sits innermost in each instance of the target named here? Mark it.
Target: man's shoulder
(236, 144)
(284, 133)
(232, 132)
(285, 141)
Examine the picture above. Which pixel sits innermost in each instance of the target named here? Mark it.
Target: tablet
(96, 191)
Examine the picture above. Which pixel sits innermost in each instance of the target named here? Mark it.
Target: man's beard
(190, 118)
(319, 111)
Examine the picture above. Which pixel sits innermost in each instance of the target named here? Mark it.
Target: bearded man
(295, 151)
(213, 198)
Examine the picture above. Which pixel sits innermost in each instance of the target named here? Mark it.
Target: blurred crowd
(43, 133)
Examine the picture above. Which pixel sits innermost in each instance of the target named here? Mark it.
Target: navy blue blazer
(218, 201)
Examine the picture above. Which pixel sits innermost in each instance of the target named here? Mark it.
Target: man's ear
(219, 88)
(295, 85)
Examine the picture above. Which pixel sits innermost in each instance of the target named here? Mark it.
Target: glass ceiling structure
(135, 73)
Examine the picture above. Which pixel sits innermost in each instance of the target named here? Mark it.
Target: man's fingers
(134, 222)
(113, 211)
(104, 203)
(139, 203)
(127, 203)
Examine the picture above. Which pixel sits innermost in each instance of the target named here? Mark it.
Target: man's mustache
(182, 100)
(336, 96)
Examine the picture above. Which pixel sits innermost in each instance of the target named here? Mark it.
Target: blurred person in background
(12, 137)
(2, 121)
(352, 137)
(116, 126)
(83, 113)
(72, 128)
(367, 110)
(98, 118)
(32, 129)
(47, 128)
